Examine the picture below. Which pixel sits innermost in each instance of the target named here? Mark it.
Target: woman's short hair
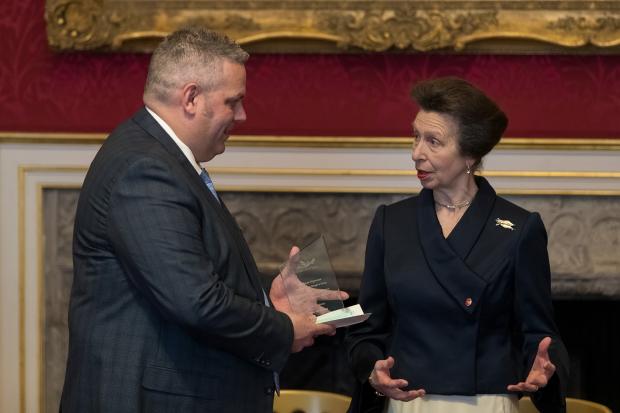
(480, 121)
(190, 55)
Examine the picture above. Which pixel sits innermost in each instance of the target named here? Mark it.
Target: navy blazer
(167, 312)
(461, 315)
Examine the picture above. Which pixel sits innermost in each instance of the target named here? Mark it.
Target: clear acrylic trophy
(312, 288)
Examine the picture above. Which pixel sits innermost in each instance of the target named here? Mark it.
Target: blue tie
(204, 175)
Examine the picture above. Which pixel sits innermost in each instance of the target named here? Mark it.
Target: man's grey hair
(190, 55)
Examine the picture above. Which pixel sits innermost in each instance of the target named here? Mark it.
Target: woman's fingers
(549, 369)
(386, 383)
(406, 396)
(538, 381)
(414, 394)
(543, 346)
(381, 380)
(392, 384)
(523, 387)
(541, 372)
(384, 366)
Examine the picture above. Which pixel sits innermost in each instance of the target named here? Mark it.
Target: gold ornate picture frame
(504, 26)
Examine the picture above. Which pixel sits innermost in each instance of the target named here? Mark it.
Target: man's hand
(305, 330)
(277, 293)
(287, 286)
(541, 371)
(384, 384)
(304, 322)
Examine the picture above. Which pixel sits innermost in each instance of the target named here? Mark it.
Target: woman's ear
(471, 165)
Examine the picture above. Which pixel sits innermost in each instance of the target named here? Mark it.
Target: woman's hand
(541, 371)
(383, 383)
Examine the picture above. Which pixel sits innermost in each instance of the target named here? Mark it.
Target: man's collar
(184, 148)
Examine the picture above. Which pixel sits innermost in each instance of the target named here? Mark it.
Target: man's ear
(189, 95)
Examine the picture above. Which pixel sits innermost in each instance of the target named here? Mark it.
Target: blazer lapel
(150, 125)
(450, 270)
(466, 233)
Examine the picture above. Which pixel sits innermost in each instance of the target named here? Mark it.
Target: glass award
(311, 287)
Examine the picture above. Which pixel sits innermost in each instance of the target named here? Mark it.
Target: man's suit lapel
(150, 125)
(246, 254)
(446, 257)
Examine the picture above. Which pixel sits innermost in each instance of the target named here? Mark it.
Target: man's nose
(240, 115)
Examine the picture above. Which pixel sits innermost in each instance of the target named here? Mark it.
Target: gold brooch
(504, 223)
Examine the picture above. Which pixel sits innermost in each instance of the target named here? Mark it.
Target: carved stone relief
(584, 243)
(59, 210)
(272, 223)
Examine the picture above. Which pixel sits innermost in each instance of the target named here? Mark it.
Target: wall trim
(412, 172)
(284, 172)
(605, 144)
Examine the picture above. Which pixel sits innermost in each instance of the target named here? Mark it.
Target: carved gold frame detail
(513, 26)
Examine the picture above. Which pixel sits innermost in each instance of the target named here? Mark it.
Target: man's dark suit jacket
(461, 315)
(167, 312)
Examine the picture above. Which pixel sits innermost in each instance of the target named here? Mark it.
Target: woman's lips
(422, 175)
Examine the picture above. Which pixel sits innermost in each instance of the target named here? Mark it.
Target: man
(167, 312)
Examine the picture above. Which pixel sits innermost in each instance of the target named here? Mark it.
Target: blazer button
(468, 302)
(269, 391)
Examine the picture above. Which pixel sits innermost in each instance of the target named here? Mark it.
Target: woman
(457, 280)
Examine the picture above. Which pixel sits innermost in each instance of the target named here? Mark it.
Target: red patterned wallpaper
(359, 95)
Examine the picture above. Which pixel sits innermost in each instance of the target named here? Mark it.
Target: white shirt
(184, 148)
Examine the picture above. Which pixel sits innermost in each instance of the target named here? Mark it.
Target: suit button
(468, 302)
(267, 363)
(269, 391)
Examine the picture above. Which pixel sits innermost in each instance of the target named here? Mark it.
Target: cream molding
(384, 190)
(342, 172)
(604, 144)
(397, 172)
(32, 180)
(504, 26)
(223, 172)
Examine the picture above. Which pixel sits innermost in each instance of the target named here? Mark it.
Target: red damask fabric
(328, 95)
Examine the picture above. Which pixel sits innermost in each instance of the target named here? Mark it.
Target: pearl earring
(468, 169)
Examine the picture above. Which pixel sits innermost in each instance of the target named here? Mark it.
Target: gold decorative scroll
(354, 25)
